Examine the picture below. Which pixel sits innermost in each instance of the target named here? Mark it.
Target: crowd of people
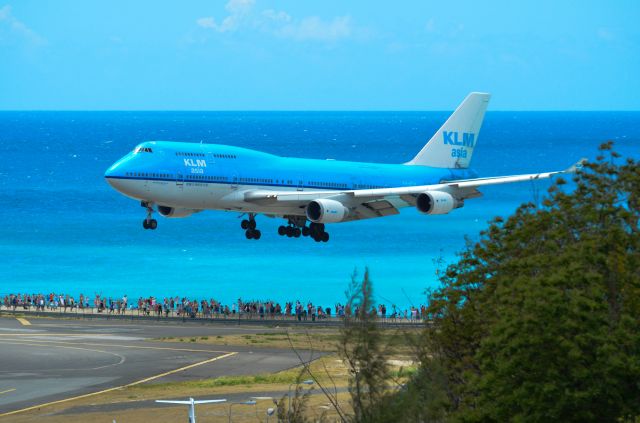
(185, 308)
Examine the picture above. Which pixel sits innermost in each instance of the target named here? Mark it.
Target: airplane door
(300, 184)
(234, 181)
(180, 181)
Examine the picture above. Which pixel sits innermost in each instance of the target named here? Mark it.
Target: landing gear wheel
(316, 238)
(249, 225)
(288, 231)
(305, 231)
(324, 237)
(253, 234)
(296, 232)
(282, 230)
(153, 224)
(145, 224)
(316, 227)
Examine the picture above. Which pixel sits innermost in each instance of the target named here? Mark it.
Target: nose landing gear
(249, 225)
(149, 222)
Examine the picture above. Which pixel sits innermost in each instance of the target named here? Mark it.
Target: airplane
(178, 179)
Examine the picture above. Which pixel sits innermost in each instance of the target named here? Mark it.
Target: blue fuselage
(222, 164)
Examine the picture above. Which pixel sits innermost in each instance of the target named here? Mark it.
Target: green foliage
(275, 378)
(362, 349)
(539, 320)
(422, 399)
(294, 407)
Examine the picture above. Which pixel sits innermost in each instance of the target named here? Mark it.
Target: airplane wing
(174, 402)
(209, 401)
(189, 402)
(378, 202)
(467, 188)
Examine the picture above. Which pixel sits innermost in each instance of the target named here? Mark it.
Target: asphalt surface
(46, 360)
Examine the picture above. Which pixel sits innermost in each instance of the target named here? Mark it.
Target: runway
(47, 360)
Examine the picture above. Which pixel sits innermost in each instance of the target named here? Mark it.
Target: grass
(404, 372)
(398, 341)
(261, 379)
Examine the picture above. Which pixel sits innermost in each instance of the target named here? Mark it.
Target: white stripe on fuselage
(200, 195)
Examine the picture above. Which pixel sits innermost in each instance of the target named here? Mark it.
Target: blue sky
(318, 55)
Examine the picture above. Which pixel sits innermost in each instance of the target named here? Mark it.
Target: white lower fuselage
(203, 196)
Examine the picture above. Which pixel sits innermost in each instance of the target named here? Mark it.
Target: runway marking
(190, 366)
(7, 391)
(24, 321)
(148, 379)
(109, 345)
(42, 344)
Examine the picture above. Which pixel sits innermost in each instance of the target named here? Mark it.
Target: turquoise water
(65, 230)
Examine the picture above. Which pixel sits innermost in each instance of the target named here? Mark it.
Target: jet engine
(326, 211)
(167, 211)
(436, 202)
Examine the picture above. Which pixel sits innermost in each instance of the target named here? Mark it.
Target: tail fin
(452, 146)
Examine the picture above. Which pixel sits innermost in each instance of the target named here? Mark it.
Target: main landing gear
(249, 225)
(296, 228)
(317, 232)
(149, 222)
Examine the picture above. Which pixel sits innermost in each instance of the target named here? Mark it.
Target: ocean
(64, 230)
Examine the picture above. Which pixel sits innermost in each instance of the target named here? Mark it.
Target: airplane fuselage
(215, 177)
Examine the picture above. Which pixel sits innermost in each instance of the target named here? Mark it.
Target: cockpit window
(142, 150)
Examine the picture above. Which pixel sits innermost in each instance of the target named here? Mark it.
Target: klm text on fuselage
(196, 166)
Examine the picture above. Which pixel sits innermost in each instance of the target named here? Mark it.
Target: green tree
(539, 320)
(362, 349)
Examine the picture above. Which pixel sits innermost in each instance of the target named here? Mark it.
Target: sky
(318, 55)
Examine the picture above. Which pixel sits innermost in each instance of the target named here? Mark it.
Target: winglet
(577, 166)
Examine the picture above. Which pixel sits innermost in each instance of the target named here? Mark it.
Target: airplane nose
(111, 172)
(111, 175)
(117, 175)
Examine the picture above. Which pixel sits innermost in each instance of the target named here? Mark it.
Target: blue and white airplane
(178, 179)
